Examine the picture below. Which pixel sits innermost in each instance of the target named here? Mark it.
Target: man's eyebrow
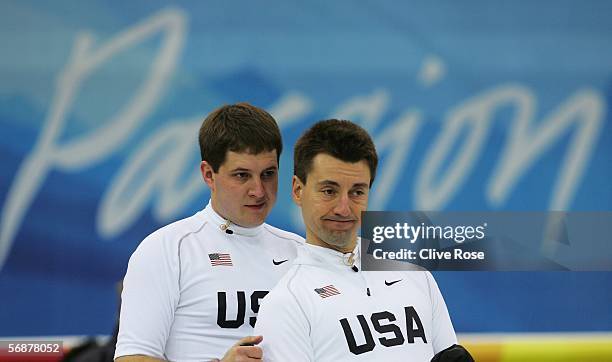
(334, 183)
(328, 183)
(243, 169)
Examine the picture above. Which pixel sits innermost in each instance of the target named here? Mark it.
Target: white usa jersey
(192, 290)
(324, 310)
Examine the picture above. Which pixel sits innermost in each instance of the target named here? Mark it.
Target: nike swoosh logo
(279, 262)
(393, 282)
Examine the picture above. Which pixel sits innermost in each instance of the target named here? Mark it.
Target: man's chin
(340, 239)
(251, 222)
(342, 234)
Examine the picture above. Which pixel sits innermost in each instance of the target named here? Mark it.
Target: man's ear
(297, 187)
(208, 175)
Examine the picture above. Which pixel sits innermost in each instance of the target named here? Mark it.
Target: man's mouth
(257, 206)
(340, 224)
(339, 220)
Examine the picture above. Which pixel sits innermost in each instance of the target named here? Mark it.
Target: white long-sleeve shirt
(323, 310)
(192, 290)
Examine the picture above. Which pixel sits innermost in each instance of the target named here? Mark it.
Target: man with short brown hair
(192, 288)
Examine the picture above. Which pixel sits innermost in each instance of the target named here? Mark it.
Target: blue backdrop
(475, 105)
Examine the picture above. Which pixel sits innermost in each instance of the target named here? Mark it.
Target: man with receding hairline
(325, 308)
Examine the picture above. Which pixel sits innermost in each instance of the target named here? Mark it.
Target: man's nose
(256, 188)
(342, 206)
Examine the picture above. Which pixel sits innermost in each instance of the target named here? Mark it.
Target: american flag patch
(327, 291)
(217, 259)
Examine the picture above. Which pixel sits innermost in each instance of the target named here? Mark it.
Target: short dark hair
(341, 139)
(239, 127)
